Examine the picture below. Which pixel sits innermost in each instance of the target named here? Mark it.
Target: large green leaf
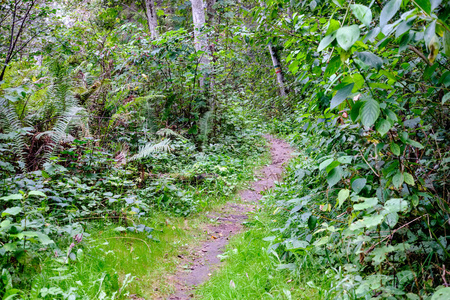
(395, 149)
(333, 165)
(327, 40)
(12, 197)
(398, 179)
(409, 179)
(334, 176)
(341, 95)
(37, 193)
(445, 98)
(347, 36)
(325, 163)
(396, 205)
(362, 13)
(368, 202)
(370, 112)
(425, 5)
(342, 196)
(358, 184)
(389, 11)
(383, 126)
(442, 294)
(12, 211)
(370, 59)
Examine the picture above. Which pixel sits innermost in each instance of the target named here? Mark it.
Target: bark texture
(277, 67)
(200, 37)
(151, 18)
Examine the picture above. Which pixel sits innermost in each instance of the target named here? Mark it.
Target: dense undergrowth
(73, 229)
(103, 125)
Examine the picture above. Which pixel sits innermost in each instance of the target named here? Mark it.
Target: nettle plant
(382, 137)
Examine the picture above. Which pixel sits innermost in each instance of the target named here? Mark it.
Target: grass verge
(113, 263)
(253, 271)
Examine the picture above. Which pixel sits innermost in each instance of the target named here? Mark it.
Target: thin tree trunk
(211, 11)
(151, 18)
(277, 67)
(200, 38)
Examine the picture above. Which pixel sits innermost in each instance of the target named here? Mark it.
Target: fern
(149, 149)
(10, 123)
(166, 132)
(136, 103)
(205, 126)
(61, 130)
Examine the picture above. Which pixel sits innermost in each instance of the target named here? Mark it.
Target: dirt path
(203, 260)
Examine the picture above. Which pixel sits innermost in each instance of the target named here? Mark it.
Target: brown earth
(204, 260)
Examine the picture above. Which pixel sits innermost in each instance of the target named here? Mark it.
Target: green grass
(106, 257)
(251, 271)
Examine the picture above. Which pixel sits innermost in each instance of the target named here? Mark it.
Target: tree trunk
(151, 18)
(200, 38)
(277, 67)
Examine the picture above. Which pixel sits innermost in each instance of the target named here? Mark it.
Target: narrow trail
(228, 222)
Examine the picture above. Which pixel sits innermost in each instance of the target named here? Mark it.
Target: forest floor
(197, 267)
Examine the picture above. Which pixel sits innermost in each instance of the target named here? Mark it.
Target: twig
(392, 234)
(362, 155)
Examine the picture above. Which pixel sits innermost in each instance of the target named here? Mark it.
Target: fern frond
(166, 132)
(205, 126)
(10, 123)
(60, 130)
(149, 149)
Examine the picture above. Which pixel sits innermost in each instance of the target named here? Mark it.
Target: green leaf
(358, 184)
(120, 229)
(341, 95)
(333, 165)
(12, 211)
(389, 11)
(333, 25)
(370, 112)
(346, 159)
(37, 193)
(395, 149)
(441, 294)
(368, 203)
(435, 3)
(334, 176)
(391, 219)
(362, 13)
(446, 42)
(409, 179)
(383, 126)
(425, 5)
(327, 40)
(398, 179)
(312, 221)
(325, 163)
(342, 196)
(12, 197)
(339, 2)
(445, 98)
(43, 238)
(333, 66)
(370, 59)
(415, 144)
(347, 36)
(396, 205)
(429, 33)
(354, 113)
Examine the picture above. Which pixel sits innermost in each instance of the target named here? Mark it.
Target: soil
(226, 223)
